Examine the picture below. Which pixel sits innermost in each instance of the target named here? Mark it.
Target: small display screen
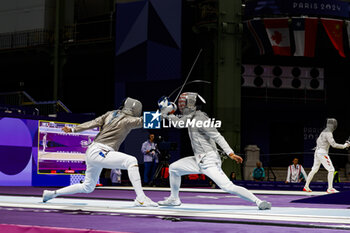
(60, 152)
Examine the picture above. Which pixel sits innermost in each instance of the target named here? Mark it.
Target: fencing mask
(188, 102)
(331, 124)
(132, 107)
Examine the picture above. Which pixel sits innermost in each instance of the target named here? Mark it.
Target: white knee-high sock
(72, 189)
(330, 179)
(135, 179)
(240, 191)
(244, 194)
(175, 183)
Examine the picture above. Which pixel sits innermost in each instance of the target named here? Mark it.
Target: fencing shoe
(48, 195)
(307, 189)
(264, 205)
(145, 202)
(170, 201)
(332, 190)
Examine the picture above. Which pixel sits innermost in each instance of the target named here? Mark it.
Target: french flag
(277, 30)
(305, 31)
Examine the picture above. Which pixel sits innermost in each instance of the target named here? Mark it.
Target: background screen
(62, 153)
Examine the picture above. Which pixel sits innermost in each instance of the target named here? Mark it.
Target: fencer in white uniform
(324, 141)
(103, 152)
(206, 159)
(294, 172)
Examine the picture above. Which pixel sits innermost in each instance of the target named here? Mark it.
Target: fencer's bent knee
(131, 162)
(173, 168)
(331, 169)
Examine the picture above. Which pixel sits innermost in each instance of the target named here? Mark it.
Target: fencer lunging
(103, 152)
(206, 159)
(324, 141)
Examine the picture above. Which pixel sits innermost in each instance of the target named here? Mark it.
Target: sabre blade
(194, 81)
(189, 73)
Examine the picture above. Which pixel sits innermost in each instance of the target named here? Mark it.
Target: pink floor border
(10, 228)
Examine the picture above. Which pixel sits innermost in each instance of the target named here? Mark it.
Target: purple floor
(186, 197)
(148, 223)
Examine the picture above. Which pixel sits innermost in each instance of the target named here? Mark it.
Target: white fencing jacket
(113, 130)
(203, 139)
(325, 140)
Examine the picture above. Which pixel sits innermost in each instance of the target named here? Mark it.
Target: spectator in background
(233, 176)
(116, 177)
(258, 172)
(296, 172)
(150, 158)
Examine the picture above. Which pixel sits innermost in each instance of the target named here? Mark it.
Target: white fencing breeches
(211, 167)
(321, 158)
(97, 158)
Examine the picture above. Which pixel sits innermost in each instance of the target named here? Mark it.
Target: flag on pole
(257, 32)
(278, 32)
(347, 23)
(305, 31)
(334, 29)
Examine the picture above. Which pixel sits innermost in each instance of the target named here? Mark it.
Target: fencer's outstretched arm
(98, 122)
(214, 134)
(331, 141)
(135, 122)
